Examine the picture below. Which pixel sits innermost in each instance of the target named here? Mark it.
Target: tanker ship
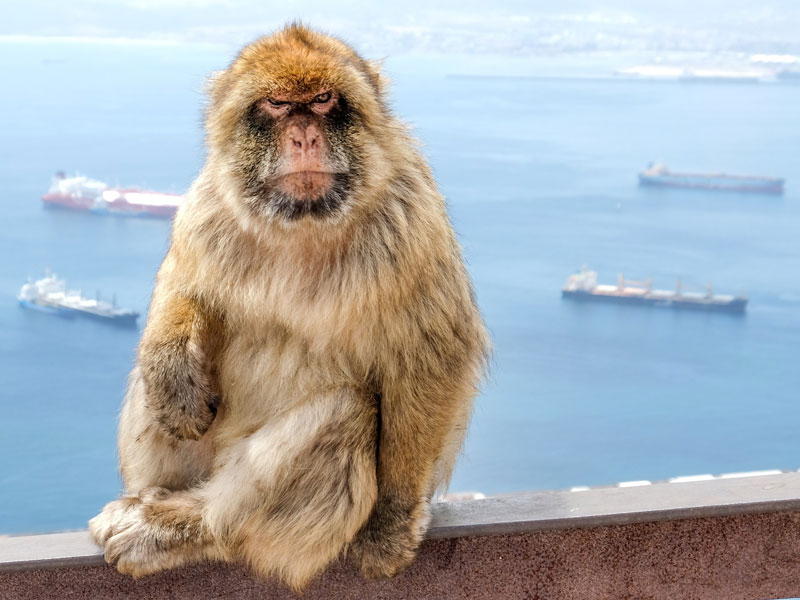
(50, 295)
(91, 195)
(584, 286)
(659, 175)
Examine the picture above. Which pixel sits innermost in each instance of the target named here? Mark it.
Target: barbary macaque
(307, 372)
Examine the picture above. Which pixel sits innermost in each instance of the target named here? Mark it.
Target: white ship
(50, 295)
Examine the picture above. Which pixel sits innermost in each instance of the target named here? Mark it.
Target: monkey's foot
(131, 542)
(388, 542)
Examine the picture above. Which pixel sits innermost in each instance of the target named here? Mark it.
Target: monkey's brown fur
(303, 384)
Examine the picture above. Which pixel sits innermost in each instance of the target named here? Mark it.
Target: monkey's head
(294, 121)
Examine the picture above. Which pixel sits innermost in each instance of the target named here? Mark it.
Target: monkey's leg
(148, 456)
(142, 531)
(292, 495)
(420, 436)
(286, 499)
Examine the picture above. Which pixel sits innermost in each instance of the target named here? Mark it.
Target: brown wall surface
(742, 557)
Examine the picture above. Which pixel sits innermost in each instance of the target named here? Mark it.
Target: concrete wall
(723, 539)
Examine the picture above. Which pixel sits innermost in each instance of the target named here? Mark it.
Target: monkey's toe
(134, 547)
(134, 551)
(111, 519)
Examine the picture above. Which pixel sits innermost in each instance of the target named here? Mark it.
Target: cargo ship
(584, 286)
(50, 295)
(658, 174)
(90, 195)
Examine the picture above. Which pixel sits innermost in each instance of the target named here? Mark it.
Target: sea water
(539, 172)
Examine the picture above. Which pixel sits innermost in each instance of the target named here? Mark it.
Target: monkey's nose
(304, 139)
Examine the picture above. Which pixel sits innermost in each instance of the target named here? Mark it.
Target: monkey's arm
(426, 402)
(175, 359)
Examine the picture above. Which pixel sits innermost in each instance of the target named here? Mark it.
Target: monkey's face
(297, 155)
(298, 120)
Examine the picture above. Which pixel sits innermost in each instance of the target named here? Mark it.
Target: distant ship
(82, 193)
(584, 286)
(720, 76)
(786, 67)
(50, 295)
(700, 74)
(659, 175)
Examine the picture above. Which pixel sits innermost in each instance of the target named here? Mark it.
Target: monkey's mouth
(292, 196)
(306, 186)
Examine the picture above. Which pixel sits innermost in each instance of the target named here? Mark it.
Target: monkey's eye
(322, 98)
(277, 102)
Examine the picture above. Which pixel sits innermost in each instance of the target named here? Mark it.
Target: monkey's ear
(217, 86)
(379, 81)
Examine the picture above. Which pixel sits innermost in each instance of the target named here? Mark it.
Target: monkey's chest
(265, 376)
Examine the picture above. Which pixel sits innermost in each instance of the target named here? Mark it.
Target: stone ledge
(736, 538)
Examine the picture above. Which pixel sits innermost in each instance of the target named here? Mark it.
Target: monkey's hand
(388, 541)
(179, 392)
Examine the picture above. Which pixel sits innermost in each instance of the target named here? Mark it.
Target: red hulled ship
(91, 195)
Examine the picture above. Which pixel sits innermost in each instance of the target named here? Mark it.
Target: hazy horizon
(512, 27)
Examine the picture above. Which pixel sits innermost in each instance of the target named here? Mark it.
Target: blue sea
(539, 170)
